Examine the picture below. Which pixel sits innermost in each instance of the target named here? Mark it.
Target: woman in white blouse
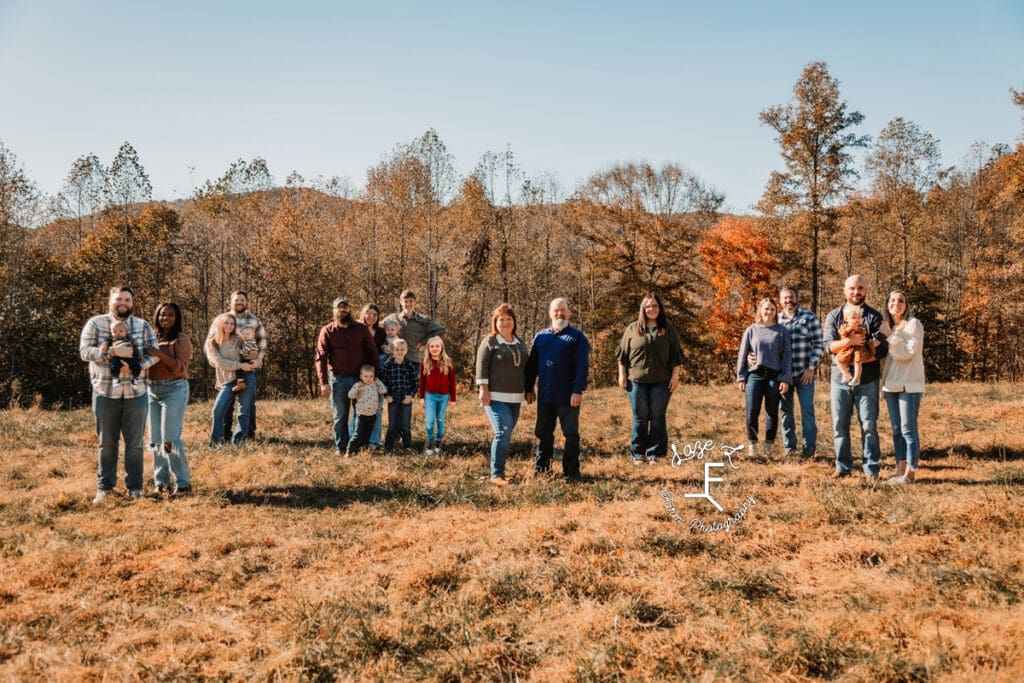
(903, 383)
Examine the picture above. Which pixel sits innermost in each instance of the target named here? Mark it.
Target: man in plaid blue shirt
(807, 344)
(120, 408)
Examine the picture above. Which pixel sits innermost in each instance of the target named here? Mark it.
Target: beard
(343, 318)
(122, 312)
(239, 309)
(856, 300)
(559, 324)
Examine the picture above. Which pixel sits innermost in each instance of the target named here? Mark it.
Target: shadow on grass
(324, 497)
(326, 444)
(993, 453)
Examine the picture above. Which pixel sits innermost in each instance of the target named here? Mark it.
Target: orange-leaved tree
(740, 267)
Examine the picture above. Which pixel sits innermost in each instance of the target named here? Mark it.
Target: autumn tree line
(952, 237)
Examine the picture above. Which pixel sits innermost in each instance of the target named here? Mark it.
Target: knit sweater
(437, 382)
(770, 344)
(225, 358)
(501, 366)
(904, 368)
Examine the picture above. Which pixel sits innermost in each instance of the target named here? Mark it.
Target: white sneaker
(752, 449)
(101, 495)
(135, 494)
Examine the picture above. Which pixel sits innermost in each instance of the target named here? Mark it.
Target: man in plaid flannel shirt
(120, 408)
(807, 344)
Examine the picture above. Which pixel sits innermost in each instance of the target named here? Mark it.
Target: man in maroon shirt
(341, 348)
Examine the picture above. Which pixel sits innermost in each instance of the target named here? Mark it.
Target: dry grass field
(289, 563)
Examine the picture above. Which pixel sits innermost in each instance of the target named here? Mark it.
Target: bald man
(556, 375)
(864, 396)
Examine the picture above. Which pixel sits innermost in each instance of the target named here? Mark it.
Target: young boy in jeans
(401, 379)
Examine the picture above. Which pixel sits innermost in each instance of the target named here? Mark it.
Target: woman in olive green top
(649, 360)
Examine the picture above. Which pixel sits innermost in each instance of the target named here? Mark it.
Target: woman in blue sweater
(769, 374)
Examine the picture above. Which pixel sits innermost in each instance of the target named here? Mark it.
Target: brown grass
(292, 564)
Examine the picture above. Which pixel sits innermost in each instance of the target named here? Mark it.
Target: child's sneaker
(437, 447)
(429, 449)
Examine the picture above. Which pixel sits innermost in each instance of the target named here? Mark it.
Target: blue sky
(328, 88)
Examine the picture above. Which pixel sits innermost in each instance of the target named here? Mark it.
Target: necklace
(514, 347)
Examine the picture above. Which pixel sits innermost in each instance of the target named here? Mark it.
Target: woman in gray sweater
(501, 376)
(769, 374)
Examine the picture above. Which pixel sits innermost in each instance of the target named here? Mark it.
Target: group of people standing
(368, 364)
(391, 362)
(155, 384)
(871, 351)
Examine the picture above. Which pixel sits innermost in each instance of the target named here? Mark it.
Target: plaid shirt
(400, 378)
(94, 334)
(805, 337)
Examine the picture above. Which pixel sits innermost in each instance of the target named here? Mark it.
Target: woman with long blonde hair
(224, 352)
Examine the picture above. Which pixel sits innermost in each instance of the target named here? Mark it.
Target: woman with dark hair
(765, 378)
(168, 396)
(224, 352)
(649, 359)
(903, 383)
(370, 316)
(501, 376)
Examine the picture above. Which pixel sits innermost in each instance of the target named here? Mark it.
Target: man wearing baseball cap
(341, 348)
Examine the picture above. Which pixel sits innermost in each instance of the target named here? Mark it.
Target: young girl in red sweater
(437, 390)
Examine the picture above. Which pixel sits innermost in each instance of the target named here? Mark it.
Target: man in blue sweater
(557, 371)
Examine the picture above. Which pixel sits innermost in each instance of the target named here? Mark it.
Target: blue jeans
(434, 408)
(903, 410)
(252, 377)
(762, 387)
(569, 418)
(117, 417)
(399, 424)
(167, 401)
(863, 397)
(808, 427)
(340, 406)
(649, 436)
(375, 434)
(503, 418)
(224, 404)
